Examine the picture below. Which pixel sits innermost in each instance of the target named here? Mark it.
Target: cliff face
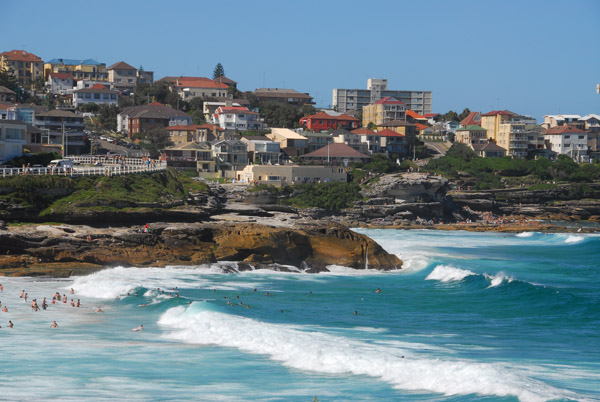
(64, 250)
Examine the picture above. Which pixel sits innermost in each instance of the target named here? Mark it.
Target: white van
(61, 165)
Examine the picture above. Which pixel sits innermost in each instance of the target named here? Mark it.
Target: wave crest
(447, 273)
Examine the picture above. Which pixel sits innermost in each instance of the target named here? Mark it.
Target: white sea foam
(574, 239)
(320, 352)
(447, 273)
(498, 279)
(525, 234)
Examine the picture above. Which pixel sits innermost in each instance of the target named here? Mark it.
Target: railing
(105, 170)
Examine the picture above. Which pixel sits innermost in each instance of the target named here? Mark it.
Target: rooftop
(327, 116)
(287, 134)
(388, 100)
(336, 150)
(389, 133)
(474, 118)
(499, 112)
(75, 62)
(21, 55)
(564, 130)
(121, 65)
(472, 127)
(62, 76)
(415, 115)
(281, 92)
(363, 131)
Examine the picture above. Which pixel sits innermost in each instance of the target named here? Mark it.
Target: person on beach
(139, 328)
(54, 324)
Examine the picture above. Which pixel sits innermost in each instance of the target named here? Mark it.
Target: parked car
(37, 169)
(61, 165)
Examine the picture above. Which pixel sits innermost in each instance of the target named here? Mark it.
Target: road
(439, 148)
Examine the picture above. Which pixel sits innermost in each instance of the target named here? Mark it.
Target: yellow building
(507, 130)
(88, 69)
(384, 110)
(471, 134)
(24, 65)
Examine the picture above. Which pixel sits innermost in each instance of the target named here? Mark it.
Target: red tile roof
(388, 100)
(199, 82)
(233, 110)
(212, 127)
(336, 150)
(325, 116)
(98, 86)
(363, 131)
(415, 115)
(191, 127)
(420, 127)
(428, 115)
(473, 119)
(499, 112)
(389, 133)
(21, 55)
(155, 104)
(564, 130)
(61, 76)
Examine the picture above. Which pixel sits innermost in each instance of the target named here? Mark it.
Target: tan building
(557, 120)
(471, 134)
(281, 175)
(24, 65)
(183, 134)
(292, 143)
(383, 111)
(508, 130)
(88, 69)
(122, 76)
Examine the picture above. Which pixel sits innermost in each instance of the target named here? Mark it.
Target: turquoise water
(471, 317)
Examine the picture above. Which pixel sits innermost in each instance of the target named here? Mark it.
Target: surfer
(139, 328)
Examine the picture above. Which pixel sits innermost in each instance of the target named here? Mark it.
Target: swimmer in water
(54, 324)
(355, 312)
(378, 290)
(98, 310)
(22, 293)
(4, 309)
(139, 328)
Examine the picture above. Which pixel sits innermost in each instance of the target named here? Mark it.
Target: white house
(568, 140)
(236, 118)
(98, 94)
(12, 139)
(60, 83)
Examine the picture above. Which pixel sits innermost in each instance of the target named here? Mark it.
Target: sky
(531, 57)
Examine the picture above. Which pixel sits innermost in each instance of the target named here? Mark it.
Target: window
(96, 96)
(130, 80)
(581, 137)
(274, 178)
(567, 137)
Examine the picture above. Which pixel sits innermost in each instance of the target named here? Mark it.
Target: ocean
(470, 317)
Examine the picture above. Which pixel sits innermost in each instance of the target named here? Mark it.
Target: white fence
(108, 167)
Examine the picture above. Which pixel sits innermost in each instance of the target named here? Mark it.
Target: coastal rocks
(29, 251)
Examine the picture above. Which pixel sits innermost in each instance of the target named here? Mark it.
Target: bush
(330, 196)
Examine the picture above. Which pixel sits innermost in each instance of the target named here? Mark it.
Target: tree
(372, 126)
(464, 114)
(450, 116)
(219, 71)
(308, 110)
(156, 140)
(8, 79)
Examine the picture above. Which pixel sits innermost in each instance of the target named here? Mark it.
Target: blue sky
(532, 57)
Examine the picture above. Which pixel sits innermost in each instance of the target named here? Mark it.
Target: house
(209, 108)
(414, 117)
(144, 77)
(384, 110)
(210, 132)
(471, 134)
(592, 126)
(60, 83)
(405, 128)
(64, 128)
(236, 118)
(370, 139)
(25, 66)
(392, 143)
(351, 139)
(336, 154)
(574, 120)
(122, 76)
(230, 156)
(140, 119)
(227, 81)
(25, 112)
(489, 150)
(325, 121)
(281, 175)
(98, 94)
(189, 88)
(184, 134)
(568, 140)
(280, 95)
(262, 150)
(197, 155)
(472, 119)
(7, 95)
(80, 69)
(292, 143)
(317, 140)
(12, 140)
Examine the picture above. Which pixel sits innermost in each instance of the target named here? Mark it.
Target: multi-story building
(60, 83)
(408, 130)
(12, 139)
(392, 142)
(189, 88)
(63, 127)
(317, 140)
(280, 95)
(568, 140)
(87, 69)
(351, 139)
(281, 175)
(592, 126)
(25, 66)
(98, 94)
(329, 121)
(184, 134)
(144, 77)
(352, 100)
(384, 110)
(508, 130)
(471, 134)
(230, 155)
(140, 119)
(191, 155)
(291, 143)
(122, 76)
(237, 118)
(370, 139)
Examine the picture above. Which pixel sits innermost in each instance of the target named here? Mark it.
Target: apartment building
(12, 139)
(63, 127)
(60, 83)
(352, 101)
(281, 95)
(471, 134)
(122, 76)
(25, 66)
(568, 140)
(384, 110)
(80, 69)
(97, 94)
(508, 130)
(329, 121)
